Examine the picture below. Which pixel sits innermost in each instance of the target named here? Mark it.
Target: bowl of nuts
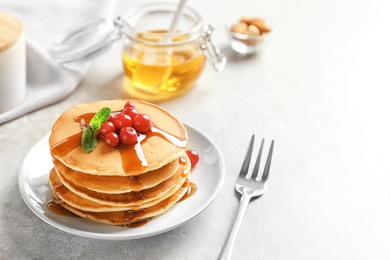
(247, 32)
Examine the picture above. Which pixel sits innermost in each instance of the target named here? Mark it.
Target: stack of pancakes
(124, 185)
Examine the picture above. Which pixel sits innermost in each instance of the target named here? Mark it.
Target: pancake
(157, 151)
(127, 217)
(117, 184)
(76, 201)
(131, 198)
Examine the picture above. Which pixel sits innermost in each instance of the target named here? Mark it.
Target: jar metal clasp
(211, 50)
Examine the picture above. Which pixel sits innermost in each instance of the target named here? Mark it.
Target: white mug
(12, 62)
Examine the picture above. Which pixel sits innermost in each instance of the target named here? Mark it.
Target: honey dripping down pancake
(119, 162)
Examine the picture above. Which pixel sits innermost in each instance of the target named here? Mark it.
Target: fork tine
(257, 164)
(268, 163)
(245, 165)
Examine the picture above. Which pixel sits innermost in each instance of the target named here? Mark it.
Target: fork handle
(227, 250)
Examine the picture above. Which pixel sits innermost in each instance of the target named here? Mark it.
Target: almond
(240, 27)
(252, 31)
(260, 24)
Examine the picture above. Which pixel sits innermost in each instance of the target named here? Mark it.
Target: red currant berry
(122, 120)
(107, 127)
(129, 104)
(131, 111)
(111, 139)
(194, 157)
(128, 135)
(142, 123)
(111, 117)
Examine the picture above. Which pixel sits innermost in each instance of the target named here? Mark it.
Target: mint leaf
(88, 140)
(99, 118)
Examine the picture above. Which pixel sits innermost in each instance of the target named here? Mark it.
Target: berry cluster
(125, 126)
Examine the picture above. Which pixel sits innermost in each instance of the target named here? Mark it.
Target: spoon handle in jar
(177, 16)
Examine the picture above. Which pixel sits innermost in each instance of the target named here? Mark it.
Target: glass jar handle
(211, 51)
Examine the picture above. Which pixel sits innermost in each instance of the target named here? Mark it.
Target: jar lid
(85, 41)
(11, 30)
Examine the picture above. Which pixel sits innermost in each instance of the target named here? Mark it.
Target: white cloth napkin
(47, 81)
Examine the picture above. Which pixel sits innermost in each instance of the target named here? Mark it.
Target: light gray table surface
(318, 87)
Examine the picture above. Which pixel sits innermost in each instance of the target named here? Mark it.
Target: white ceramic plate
(208, 175)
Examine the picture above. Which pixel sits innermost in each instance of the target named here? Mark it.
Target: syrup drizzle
(87, 117)
(182, 160)
(192, 188)
(185, 172)
(132, 156)
(67, 145)
(55, 207)
(168, 137)
(138, 224)
(72, 142)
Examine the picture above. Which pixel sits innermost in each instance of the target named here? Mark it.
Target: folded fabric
(48, 81)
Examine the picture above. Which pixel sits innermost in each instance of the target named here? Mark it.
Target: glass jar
(159, 62)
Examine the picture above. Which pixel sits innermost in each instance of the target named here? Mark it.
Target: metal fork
(249, 187)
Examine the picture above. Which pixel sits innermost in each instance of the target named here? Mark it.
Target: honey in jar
(159, 64)
(160, 73)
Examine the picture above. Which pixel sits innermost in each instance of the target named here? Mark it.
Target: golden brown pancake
(117, 184)
(130, 198)
(103, 160)
(76, 201)
(126, 217)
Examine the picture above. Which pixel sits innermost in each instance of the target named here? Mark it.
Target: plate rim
(22, 180)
